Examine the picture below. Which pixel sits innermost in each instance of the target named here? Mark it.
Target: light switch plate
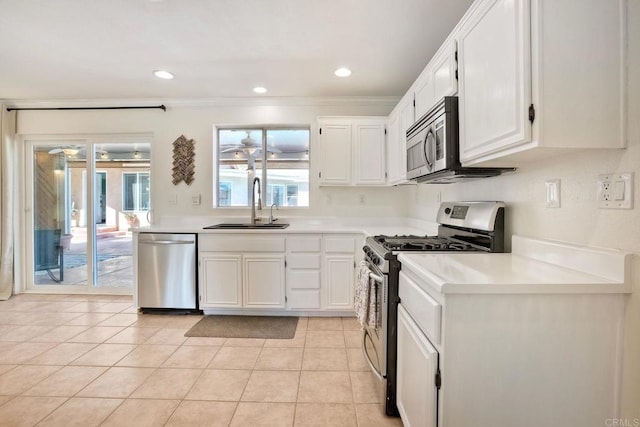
(615, 191)
(172, 199)
(195, 200)
(553, 193)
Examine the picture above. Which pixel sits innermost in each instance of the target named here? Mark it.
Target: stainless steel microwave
(433, 147)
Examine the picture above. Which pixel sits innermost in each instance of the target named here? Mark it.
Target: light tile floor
(71, 360)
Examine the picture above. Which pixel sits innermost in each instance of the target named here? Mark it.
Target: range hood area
(453, 175)
(433, 148)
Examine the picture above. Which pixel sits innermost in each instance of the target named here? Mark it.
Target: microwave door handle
(428, 142)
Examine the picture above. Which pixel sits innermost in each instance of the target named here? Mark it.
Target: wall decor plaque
(183, 160)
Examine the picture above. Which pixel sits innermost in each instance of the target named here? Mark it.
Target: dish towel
(365, 301)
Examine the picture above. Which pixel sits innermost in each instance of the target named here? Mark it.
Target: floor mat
(270, 327)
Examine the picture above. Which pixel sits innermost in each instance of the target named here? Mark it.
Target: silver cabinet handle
(166, 242)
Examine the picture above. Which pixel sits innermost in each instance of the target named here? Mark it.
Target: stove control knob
(447, 210)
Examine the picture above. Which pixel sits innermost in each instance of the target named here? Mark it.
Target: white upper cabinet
(352, 144)
(539, 76)
(494, 78)
(400, 119)
(369, 152)
(437, 80)
(335, 152)
(444, 66)
(394, 149)
(424, 93)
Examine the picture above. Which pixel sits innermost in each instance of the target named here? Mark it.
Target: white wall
(197, 123)
(578, 219)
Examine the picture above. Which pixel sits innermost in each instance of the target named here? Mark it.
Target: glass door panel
(59, 217)
(122, 194)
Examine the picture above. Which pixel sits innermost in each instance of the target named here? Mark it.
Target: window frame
(264, 161)
(136, 200)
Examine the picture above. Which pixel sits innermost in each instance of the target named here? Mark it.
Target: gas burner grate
(420, 243)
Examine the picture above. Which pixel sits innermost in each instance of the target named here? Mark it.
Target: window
(279, 157)
(292, 195)
(225, 194)
(135, 191)
(275, 194)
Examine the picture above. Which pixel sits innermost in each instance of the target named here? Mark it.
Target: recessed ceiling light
(260, 89)
(162, 74)
(342, 72)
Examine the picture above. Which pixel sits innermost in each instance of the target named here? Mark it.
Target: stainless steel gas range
(463, 226)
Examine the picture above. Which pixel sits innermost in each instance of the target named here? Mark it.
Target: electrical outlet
(172, 199)
(195, 200)
(615, 191)
(362, 199)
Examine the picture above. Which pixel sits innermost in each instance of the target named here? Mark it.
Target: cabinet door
(221, 280)
(394, 151)
(417, 366)
(339, 281)
(263, 280)
(369, 153)
(424, 93)
(445, 82)
(494, 78)
(407, 119)
(335, 153)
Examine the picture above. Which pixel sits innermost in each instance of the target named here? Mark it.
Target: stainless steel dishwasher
(167, 271)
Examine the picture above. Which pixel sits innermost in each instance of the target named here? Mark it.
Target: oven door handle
(376, 277)
(366, 356)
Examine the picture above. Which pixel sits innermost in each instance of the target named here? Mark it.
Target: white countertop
(367, 227)
(455, 273)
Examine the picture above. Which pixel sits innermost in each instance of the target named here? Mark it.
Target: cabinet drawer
(240, 243)
(339, 245)
(303, 300)
(310, 261)
(303, 244)
(303, 279)
(425, 310)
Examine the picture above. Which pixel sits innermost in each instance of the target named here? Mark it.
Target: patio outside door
(80, 246)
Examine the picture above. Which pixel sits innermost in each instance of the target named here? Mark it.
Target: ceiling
(77, 49)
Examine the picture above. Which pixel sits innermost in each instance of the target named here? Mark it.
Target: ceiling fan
(249, 146)
(71, 150)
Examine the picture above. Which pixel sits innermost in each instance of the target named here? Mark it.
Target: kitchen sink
(231, 226)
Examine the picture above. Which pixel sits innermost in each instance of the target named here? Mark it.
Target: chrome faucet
(253, 200)
(271, 218)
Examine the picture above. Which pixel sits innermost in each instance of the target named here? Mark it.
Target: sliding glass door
(84, 198)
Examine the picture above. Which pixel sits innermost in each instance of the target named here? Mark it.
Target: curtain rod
(162, 107)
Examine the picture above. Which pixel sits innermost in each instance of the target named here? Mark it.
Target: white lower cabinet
(338, 279)
(294, 272)
(220, 280)
(242, 280)
(263, 279)
(416, 396)
(241, 271)
(303, 272)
